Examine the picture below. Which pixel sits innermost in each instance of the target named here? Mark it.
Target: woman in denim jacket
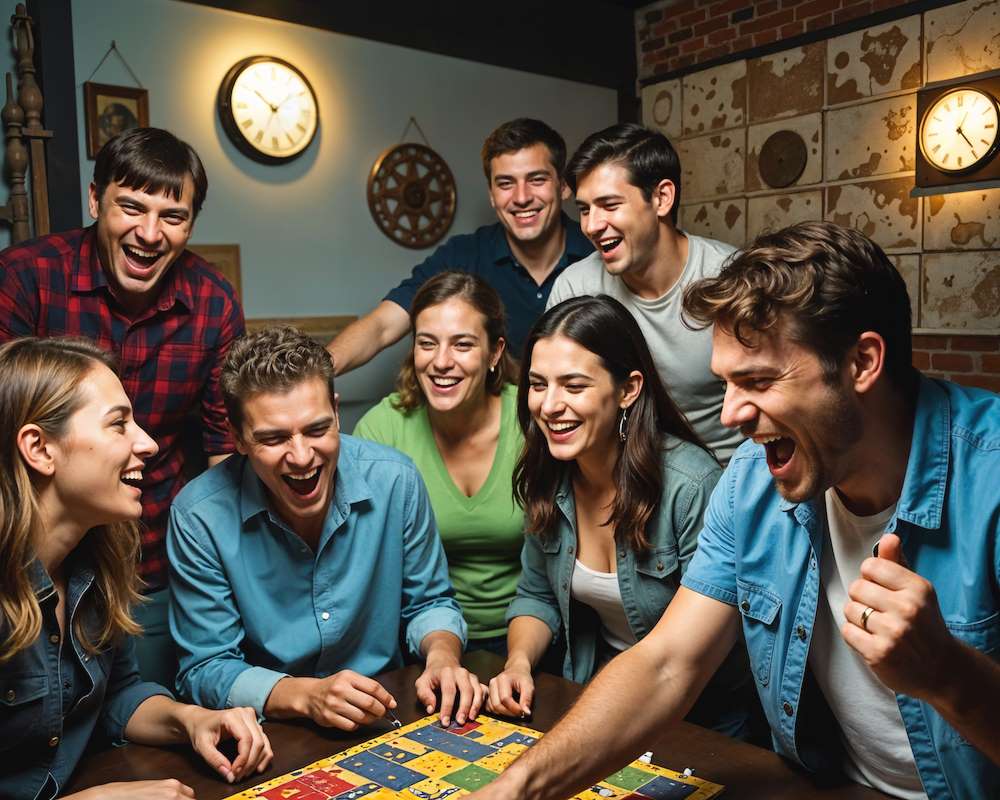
(614, 483)
(71, 460)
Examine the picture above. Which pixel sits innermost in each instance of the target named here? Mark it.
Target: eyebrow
(543, 173)
(569, 376)
(183, 211)
(753, 369)
(264, 433)
(462, 335)
(120, 409)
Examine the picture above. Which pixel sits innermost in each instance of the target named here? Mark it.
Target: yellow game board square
(434, 764)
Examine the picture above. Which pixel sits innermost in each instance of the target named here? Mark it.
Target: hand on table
(207, 728)
(136, 790)
(905, 641)
(452, 679)
(347, 700)
(503, 687)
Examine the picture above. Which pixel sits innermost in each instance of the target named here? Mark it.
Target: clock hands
(961, 133)
(269, 104)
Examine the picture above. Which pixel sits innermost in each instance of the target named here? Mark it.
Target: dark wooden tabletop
(746, 771)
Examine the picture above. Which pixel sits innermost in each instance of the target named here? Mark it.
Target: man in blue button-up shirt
(520, 255)
(298, 566)
(855, 540)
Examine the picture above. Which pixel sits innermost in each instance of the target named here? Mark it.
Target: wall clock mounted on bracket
(958, 140)
(412, 195)
(268, 109)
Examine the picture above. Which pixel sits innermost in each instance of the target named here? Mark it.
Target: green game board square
(472, 777)
(629, 778)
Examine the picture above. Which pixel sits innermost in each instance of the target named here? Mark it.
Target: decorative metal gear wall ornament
(412, 194)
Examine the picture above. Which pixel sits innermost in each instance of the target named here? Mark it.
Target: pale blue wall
(309, 245)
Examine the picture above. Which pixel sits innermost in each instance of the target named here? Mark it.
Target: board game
(423, 761)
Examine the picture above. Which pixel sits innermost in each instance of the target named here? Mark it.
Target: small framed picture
(111, 110)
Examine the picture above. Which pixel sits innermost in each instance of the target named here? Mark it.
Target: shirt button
(54, 741)
(571, 549)
(659, 565)
(10, 696)
(325, 615)
(54, 638)
(539, 295)
(621, 554)
(565, 587)
(788, 708)
(86, 659)
(745, 606)
(801, 632)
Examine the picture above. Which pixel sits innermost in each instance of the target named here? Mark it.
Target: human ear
(663, 197)
(93, 201)
(564, 190)
(867, 361)
(498, 352)
(631, 388)
(36, 450)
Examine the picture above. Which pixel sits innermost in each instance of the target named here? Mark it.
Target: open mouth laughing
(609, 244)
(779, 449)
(526, 216)
(304, 484)
(561, 430)
(132, 477)
(140, 258)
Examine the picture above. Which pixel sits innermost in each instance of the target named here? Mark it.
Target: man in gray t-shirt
(627, 181)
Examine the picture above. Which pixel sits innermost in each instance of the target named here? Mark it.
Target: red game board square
(294, 790)
(326, 781)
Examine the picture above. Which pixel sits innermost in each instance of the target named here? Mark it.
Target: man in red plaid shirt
(128, 283)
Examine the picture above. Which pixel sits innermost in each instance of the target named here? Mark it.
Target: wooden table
(745, 770)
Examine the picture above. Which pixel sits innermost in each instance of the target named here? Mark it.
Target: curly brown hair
(272, 359)
(483, 298)
(828, 283)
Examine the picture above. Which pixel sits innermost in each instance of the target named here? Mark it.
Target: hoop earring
(623, 425)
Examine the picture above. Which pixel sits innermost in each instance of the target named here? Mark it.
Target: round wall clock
(959, 131)
(268, 109)
(411, 194)
(782, 159)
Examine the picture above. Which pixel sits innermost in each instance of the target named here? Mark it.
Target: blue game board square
(515, 738)
(458, 746)
(382, 772)
(661, 788)
(358, 791)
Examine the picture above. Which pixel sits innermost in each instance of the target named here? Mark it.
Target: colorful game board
(424, 761)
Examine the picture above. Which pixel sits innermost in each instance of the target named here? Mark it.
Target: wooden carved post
(17, 165)
(29, 97)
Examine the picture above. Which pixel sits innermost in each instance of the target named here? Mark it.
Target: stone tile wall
(852, 99)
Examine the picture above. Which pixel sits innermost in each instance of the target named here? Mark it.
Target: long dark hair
(605, 327)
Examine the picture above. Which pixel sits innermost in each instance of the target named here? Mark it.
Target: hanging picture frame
(110, 110)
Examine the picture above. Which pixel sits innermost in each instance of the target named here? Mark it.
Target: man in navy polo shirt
(520, 256)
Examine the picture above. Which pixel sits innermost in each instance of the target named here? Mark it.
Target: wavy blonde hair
(40, 382)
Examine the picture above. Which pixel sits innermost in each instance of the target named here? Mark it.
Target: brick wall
(675, 34)
(971, 360)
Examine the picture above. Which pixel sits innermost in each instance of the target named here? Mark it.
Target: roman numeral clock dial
(268, 109)
(958, 133)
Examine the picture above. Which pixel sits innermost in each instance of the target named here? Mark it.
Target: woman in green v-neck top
(455, 415)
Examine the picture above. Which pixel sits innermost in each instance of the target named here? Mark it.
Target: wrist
(948, 688)
(186, 720)
(289, 698)
(518, 662)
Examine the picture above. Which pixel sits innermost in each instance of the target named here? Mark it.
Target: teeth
(766, 439)
(525, 214)
(305, 477)
(444, 382)
(558, 427)
(609, 244)
(132, 475)
(142, 253)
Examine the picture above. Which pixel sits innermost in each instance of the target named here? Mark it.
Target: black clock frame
(229, 125)
(930, 177)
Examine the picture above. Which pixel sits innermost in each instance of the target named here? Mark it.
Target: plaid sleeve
(18, 307)
(216, 439)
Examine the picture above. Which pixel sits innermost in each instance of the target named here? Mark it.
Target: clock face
(959, 131)
(268, 109)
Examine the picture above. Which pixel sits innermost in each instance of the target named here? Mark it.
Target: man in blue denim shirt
(878, 665)
(297, 565)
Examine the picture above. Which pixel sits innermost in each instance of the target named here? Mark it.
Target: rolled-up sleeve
(428, 597)
(535, 597)
(712, 570)
(125, 693)
(206, 625)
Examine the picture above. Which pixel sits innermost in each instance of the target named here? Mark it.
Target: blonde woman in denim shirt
(71, 458)
(614, 484)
